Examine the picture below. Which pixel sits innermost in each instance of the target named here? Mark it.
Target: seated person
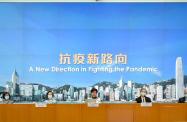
(50, 98)
(183, 99)
(6, 98)
(94, 94)
(143, 97)
(1, 100)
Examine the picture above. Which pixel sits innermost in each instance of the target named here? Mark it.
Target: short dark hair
(48, 93)
(94, 89)
(5, 93)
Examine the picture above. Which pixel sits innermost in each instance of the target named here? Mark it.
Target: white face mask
(185, 95)
(142, 94)
(7, 97)
(50, 96)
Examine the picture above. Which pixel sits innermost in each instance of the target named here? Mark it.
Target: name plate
(40, 105)
(91, 104)
(146, 105)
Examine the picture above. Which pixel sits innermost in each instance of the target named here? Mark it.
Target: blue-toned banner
(70, 48)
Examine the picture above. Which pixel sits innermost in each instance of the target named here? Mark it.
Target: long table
(104, 113)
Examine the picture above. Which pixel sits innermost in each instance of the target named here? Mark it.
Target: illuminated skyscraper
(116, 96)
(15, 82)
(101, 92)
(121, 83)
(159, 92)
(129, 90)
(179, 78)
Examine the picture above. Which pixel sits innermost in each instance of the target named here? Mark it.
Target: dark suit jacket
(182, 100)
(139, 100)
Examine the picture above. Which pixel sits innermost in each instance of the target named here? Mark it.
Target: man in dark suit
(143, 97)
(183, 99)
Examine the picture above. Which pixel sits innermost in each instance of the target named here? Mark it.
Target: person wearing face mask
(50, 98)
(183, 99)
(6, 98)
(143, 97)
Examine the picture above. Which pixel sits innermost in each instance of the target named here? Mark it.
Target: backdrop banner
(70, 48)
